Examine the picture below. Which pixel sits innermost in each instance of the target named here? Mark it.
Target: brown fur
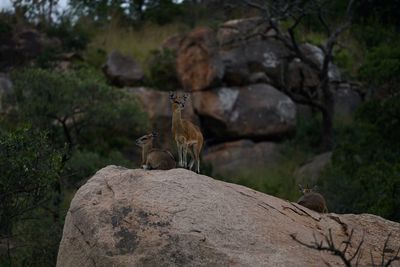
(188, 136)
(154, 158)
(312, 200)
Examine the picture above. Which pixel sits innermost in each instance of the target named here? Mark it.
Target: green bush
(382, 65)
(78, 108)
(162, 70)
(373, 34)
(86, 163)
(29, 171)
(73, 36)
(365, 171)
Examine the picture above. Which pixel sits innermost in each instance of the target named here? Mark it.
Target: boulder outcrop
(235, 32)
(311, 171)
(198, 64)
(20, 45)
(254, 111)
(123, 217)
(231, 159)
(6, 90)
(122, 70)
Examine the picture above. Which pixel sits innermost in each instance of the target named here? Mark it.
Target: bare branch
(330, 247)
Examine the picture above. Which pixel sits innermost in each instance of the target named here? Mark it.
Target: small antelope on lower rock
(312, 199)
(154, 158)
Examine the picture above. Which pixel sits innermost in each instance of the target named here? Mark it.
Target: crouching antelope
(154, 158)
(312, 199)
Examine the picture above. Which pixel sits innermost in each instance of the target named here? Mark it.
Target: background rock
(198, 64)
(6, 90)
(19, 46)
(231, 158)
(122, 70)
(265, 56)
(316, 54)
(172, 43)
(310, 172)
(124, 217)
(346, 100)
(234, 32)
(256, 111)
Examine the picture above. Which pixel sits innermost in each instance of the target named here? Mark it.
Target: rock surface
(122, 70)
(242, 61)
(198, 64)
(310, 172)
(234, 32)
(20, 45)
(232, 158)
(124, 217)
(254, 111)
(6, 90)
(347, 100)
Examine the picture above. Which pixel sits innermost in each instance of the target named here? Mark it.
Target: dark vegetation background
(45, 155)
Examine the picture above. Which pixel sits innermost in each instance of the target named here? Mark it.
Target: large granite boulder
(316, 54)
(198, 64)
(235, 32)
(6, 91)
(20, 45)
(257, 111)
(267, 56)
(122, 70)
(123, 217)
(311, 171)
(232, 159)
(172, 43)
(346, 99)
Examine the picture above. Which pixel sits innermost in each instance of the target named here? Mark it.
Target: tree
(82, 114)
(40, 11)
(77, 108)
(295, 13)
(136, 11)
(29, 168)
(365, 167)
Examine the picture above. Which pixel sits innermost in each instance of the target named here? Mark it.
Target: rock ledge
(123, 217)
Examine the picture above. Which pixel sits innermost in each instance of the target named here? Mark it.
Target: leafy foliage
(382, 66)
(366, 168)
(29, 171)
(162, 70)
(77, 108)
(29, 166)
(83, 164)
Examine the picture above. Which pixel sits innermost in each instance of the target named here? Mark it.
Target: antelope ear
(300, 187)
(315, 188)
(185, 96)
(171, 95)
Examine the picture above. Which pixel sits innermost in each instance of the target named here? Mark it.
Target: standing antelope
(153, 158)
(188, 136)
(312, 199)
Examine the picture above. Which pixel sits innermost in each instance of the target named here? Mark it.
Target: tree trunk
(327, 121)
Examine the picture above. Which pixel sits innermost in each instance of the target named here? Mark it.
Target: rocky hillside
(123, 217)
(239, 77)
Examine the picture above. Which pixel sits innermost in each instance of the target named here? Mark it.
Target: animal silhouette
(154, 158)
(312, 199)
(188, 136)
